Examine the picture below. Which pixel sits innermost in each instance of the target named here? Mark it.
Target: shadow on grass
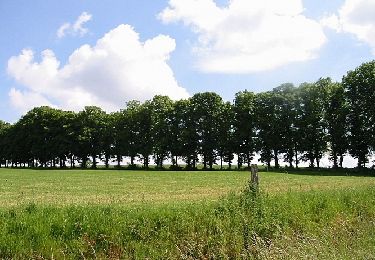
(365, 172)
(325, 171)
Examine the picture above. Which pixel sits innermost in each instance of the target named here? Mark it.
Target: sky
(73, 53)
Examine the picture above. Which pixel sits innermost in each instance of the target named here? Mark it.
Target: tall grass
(337, 224)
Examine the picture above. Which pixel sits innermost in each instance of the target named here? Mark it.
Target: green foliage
(161, 107)
(225, 142)
(336, 118)
(274, 124)
(244, 126)
(311, 112)
(4, 129)
(206, 108)
(183, 136)
(91, 123)
(360, 93)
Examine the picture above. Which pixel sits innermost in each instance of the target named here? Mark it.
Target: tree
(183, 137)
(359, 86)
(41, 130)
(145, 145)
(206, 110)
(69, 139)
(289, 126)
(118, 120)
(336, 118)
(127, 132)
(4, 128)
(161, 107)
(244, 126)
(312, 98)
(108, 137)
(265, 120)
(274, 124)
(225, 134)
(92, 124)
(135, 131)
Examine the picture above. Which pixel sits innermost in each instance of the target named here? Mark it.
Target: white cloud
(77, 28)
(331, 22)
(25, 101)
(62, 30)
(247, 35)
(78, 25)
(356, 17)
(117, 69)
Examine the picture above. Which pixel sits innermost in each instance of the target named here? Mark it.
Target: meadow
(55, 214)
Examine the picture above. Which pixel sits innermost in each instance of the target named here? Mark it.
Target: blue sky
(184, 47)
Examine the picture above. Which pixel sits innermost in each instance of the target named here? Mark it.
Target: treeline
(289, 123)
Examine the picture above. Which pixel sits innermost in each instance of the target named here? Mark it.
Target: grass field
(76, 214)
(103, 187)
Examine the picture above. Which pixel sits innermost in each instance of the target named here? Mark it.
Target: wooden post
(254, 180)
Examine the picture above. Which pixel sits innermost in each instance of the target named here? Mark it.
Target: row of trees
(289, 123)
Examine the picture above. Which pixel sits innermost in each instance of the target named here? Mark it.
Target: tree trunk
(145, 161)
(248, 160)
(118, 160)
(94, 161)
(188, 162)
(71, 161)
(341, 160)
(161, 162)
(276, 153)
(335, 166)
(106, 160)
(84, 163)
(290, 158)
(312, 163)
(239, 161)
(296, 156)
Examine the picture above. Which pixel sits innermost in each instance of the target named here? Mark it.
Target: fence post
(254, 179)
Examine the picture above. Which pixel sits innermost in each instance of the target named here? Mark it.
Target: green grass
(77, 214)
(103, 187)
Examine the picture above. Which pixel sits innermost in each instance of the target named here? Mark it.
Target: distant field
(103, 187)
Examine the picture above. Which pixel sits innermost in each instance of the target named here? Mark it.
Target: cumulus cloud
(25, 101)
(247, 35)
(117, 69)
(356, 17)
(77, 28)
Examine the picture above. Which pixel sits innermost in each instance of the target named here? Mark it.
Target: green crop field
(104, 187)
(72, 214)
